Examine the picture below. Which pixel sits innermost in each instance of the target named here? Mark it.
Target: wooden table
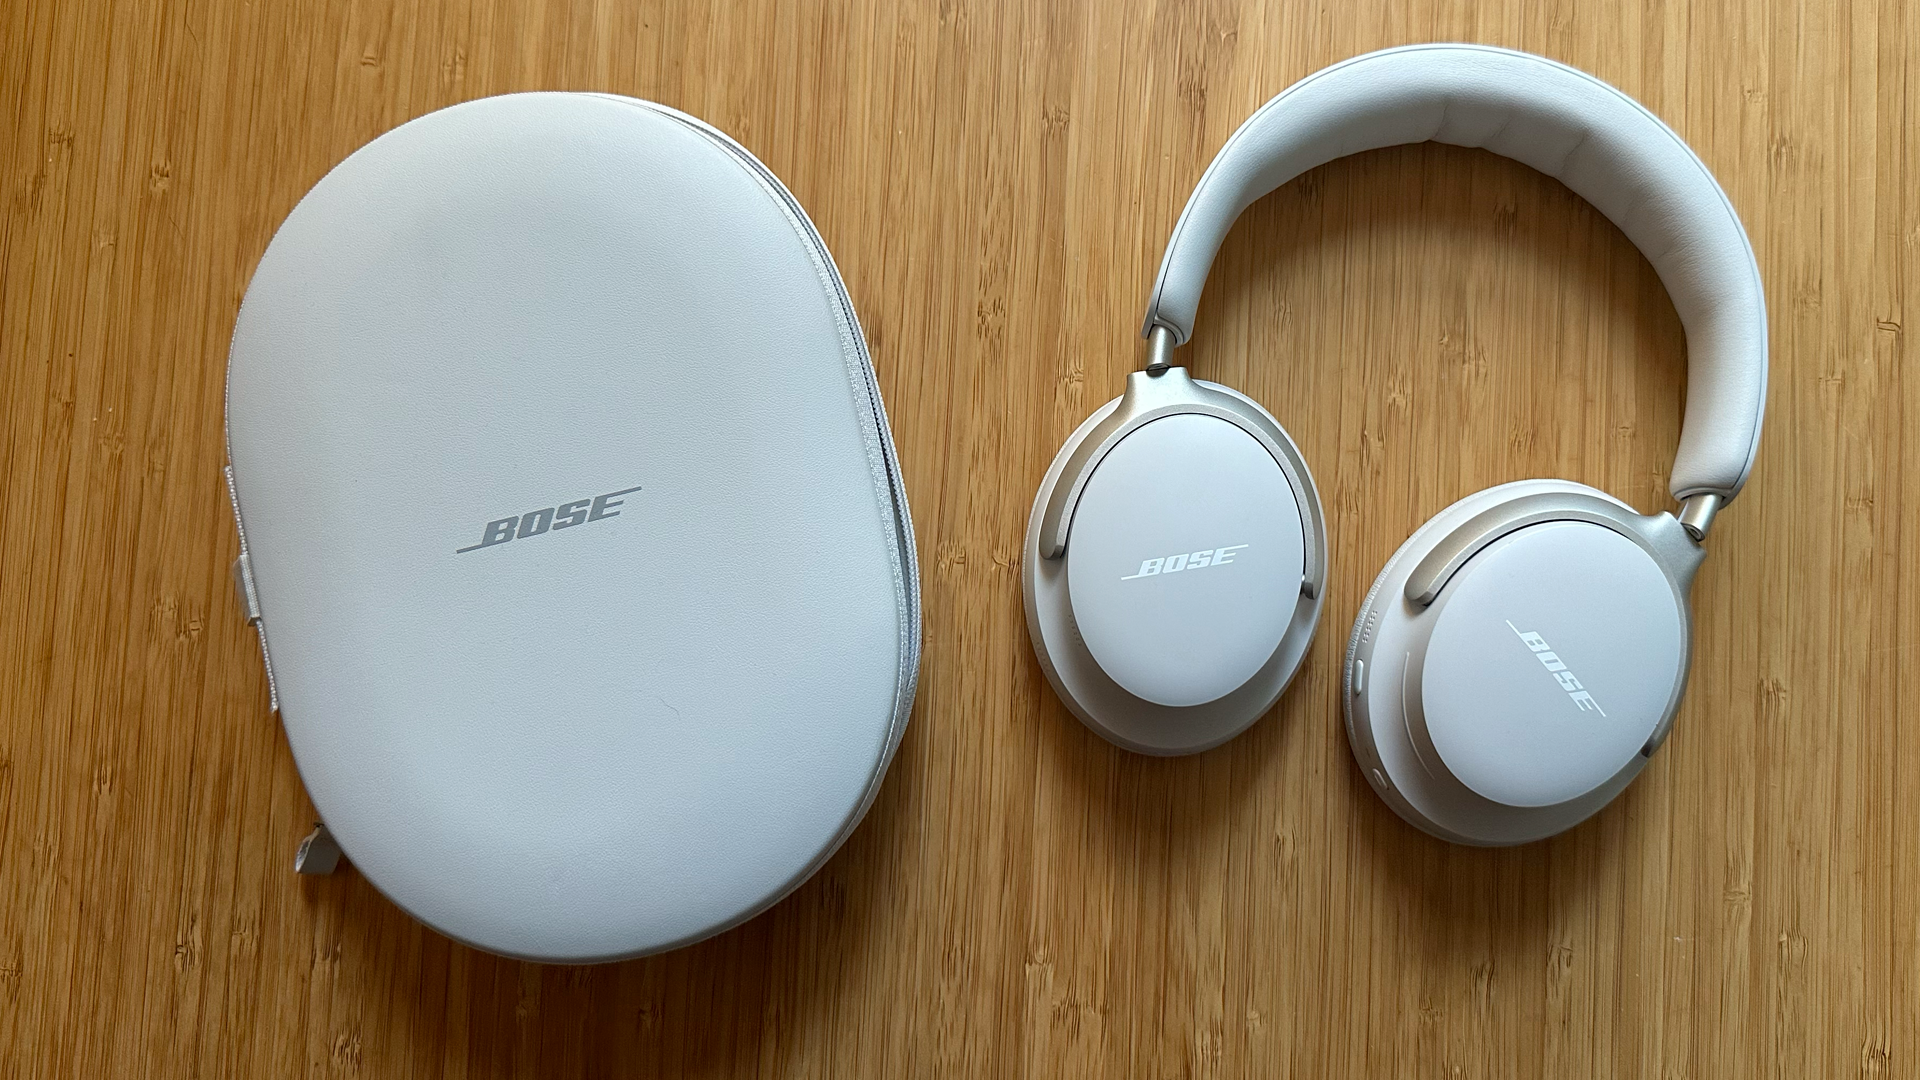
(996, 179)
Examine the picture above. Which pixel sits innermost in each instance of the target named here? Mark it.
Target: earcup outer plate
(1181, 594)
(1552, 656)
(1093, 695)
(1383, 696)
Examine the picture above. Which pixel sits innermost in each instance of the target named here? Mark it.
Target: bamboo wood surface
(996, 179)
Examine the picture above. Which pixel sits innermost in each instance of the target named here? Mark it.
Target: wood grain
(996, 179)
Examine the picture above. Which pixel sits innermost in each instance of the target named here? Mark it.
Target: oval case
(573, 525)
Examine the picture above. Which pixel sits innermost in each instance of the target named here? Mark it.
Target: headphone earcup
(1518, 660)
(1193, 577)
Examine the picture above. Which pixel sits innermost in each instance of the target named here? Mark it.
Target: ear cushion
(1099, 699)
(1469, 723)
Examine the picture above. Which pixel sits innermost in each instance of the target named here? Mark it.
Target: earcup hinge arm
(1675, 550)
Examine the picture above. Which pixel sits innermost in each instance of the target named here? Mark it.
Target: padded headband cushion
(1602, 144)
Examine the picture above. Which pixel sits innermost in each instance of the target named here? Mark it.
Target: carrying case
(572, 525)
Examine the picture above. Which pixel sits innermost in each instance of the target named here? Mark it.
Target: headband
(1599, 142)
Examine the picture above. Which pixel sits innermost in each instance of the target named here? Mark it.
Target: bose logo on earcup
(1541, 652)
(1173, 564)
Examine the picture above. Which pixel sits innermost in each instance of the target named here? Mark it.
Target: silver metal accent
(318, 854)
(1150, 397)
(244, 591)
(1671, 546)
(1696, 513)
(1160, 345)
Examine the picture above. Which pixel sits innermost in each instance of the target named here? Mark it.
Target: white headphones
(1523, 654)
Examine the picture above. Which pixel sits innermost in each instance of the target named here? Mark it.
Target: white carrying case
(572, 523)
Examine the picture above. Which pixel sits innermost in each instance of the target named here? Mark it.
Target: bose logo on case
(1173, 564)
(535, 522)
(1581, 699)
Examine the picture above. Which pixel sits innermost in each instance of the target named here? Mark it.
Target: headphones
(1522, 655)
